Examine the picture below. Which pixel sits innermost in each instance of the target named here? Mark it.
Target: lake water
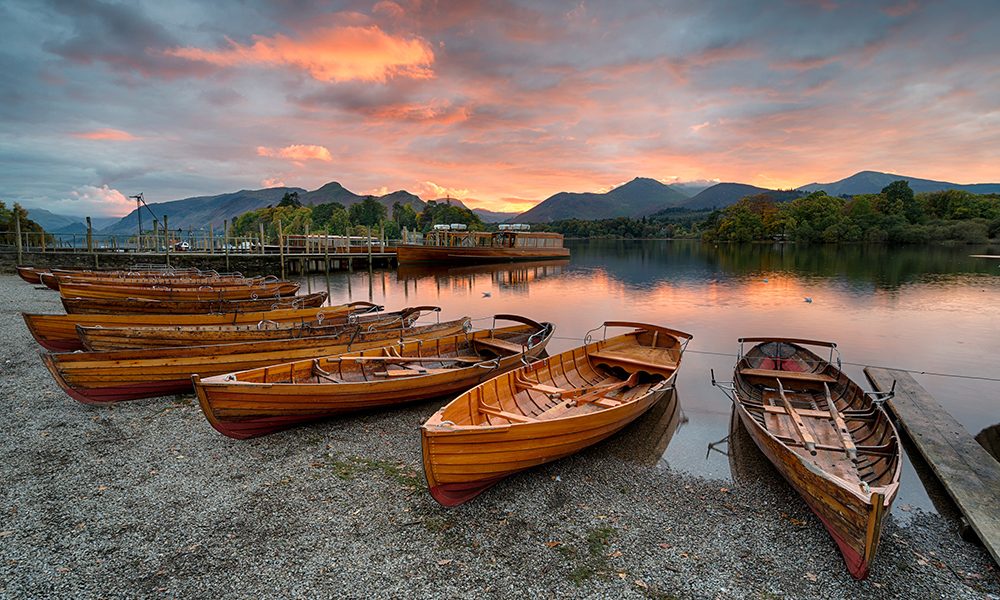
(931, 309)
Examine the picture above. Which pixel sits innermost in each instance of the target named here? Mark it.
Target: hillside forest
(894, 215)
(334, 219)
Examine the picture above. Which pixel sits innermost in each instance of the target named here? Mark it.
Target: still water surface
(931, 309)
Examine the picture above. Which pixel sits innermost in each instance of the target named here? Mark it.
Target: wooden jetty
(967, 471)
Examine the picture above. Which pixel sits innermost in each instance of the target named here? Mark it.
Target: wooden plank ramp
(967, 471)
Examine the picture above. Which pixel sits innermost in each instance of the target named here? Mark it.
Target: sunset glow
(498, 104)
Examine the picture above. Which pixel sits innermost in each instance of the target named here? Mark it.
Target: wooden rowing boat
(101, 306)
(55, 277)
(58, 332)
(31, 275)
(827, 438)
(548, 409)
(165, 292)
(107, 377)
(56, 281)
(367, 316)
(269, 399)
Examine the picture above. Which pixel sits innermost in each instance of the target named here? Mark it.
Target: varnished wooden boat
(53, 278)
(268, 399)
(31, 275)
(101, 306)
(58, 332)
(825, 436)
(172, 280)
(166, 292)
(547, 410)
(366, 315)
(107, 377)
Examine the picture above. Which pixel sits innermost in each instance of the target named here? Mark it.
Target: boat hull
(847, 517)
(30, 275)
(460, 465)
(408, 253)
(58, 332)
(108, 377)
(243, 409)
(105, 306)
(246, 292)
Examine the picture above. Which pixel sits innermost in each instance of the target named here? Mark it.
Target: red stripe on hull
(251, 428)
(453, 494)
(110, 395)
(856, 564)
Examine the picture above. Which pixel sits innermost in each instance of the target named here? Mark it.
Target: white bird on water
(808, 299)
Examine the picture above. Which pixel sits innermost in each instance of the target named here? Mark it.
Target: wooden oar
(845, 436)
(800, 427)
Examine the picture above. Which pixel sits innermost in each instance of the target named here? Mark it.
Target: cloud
(271, 182)
(91, 201)
(431, 190)
(331, 54)
(297, 152)
(115, 135)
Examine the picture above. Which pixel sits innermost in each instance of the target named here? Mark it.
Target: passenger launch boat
(548, 409)
(453, 244)
(830, 440)
(268, 399)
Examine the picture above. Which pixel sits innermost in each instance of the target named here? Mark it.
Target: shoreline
(144, 499)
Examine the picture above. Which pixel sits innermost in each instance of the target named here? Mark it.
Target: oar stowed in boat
(267, 399)
(548, 409)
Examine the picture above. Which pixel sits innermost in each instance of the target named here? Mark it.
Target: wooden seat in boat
(500, 345)
(655, 360)
(789, 375)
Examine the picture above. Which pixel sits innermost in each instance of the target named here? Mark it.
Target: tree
(367, 212)
(322, 214)
(290, 199)
(404, 215)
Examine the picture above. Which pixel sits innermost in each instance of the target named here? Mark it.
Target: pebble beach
(145, 499)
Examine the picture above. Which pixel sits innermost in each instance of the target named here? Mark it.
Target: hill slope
(636, 198)
(722, 195)
(872, 182)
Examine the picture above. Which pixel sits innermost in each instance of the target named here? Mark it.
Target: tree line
(894, 215)
(334, 218)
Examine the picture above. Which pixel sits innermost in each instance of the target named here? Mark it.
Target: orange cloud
(429, 189)
(331, 54)
(115, 135)
(271, 182)
(297, 152)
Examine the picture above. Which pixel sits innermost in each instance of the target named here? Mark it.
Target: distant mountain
(57, 223)
(49, 220)
(693, 188)
(637, 198)
(722, 195)
(200, 211)
(872, 182)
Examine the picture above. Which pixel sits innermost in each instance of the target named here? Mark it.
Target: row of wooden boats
(256, 372)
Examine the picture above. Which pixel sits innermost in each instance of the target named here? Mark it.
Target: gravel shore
(145, 499)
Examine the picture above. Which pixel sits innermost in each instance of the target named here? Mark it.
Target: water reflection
(646, 440)
(929, 309)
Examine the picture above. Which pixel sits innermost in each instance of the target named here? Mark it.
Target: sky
(500, 104)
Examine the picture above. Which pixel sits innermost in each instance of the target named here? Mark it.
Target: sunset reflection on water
(923, 309)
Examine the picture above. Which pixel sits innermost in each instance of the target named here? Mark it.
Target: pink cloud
(271, 182)
(331, 54)
(115, 135)
(297, 152)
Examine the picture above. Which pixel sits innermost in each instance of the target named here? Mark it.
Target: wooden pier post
(90, 237)
(17, 234)
(281, 249)
(166, 239)
(211, 239)
(326, 257)
(261, 223)
(225, 240)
